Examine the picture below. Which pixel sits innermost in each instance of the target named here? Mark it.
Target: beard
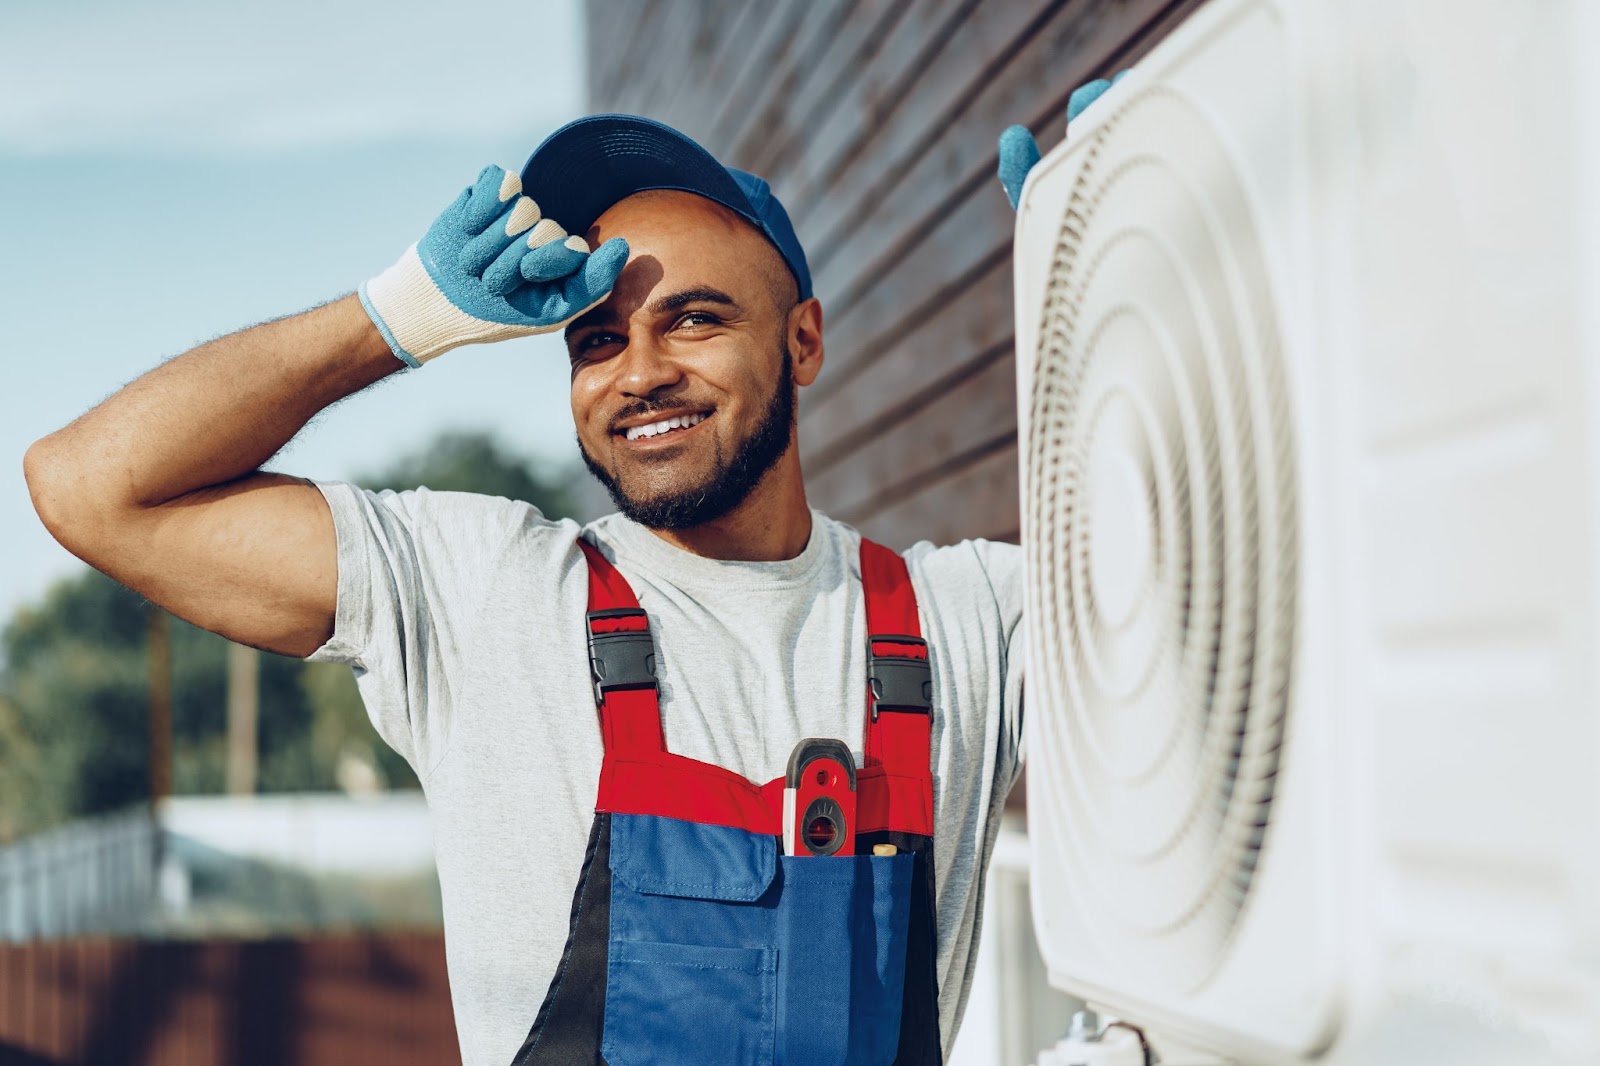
(727, 484)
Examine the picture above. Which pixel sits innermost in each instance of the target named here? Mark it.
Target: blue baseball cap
(586, 166)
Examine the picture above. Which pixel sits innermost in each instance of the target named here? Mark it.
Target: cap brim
(586, 166)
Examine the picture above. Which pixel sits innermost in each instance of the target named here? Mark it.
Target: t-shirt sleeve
(980, 585)
(1002, 564)
(413, 569)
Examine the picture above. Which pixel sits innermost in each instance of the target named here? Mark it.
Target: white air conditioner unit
(1308, 323)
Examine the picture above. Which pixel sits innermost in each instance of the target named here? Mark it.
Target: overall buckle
(623, 658)
(899, 682)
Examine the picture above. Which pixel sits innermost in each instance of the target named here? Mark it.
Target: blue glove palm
(1019, 152)
(489, 268)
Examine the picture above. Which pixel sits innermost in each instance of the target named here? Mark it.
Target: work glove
(489, 268)
(1019, 151)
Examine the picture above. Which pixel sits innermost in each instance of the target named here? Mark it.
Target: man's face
(696, 336)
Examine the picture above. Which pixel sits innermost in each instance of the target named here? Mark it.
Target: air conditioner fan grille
(1162, 537)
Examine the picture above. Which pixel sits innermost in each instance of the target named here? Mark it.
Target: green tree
(77, 684)
(477, 462)
(74, 679)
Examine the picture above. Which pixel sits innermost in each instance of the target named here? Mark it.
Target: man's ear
(805, 340)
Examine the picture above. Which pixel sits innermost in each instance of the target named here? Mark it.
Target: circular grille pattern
(1162, 542)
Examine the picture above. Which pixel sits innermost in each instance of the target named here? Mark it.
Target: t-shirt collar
(635, 542)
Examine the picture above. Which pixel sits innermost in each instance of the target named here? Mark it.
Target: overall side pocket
(676, 1003)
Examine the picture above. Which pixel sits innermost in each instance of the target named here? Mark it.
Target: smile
(677, 423)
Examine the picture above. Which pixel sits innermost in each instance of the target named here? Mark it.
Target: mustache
(650, 407)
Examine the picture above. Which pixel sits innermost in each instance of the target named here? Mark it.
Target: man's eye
(589, 342)
(699, 318)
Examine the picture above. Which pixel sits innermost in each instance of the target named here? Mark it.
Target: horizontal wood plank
(945, 253)
(725, 34)
(768, 112)
(761, 52)
(1026, 79)
(965, 416)
(907, 372)
(976, 500)
(912, 58)
(963, 247)
(854, 48)
(1033, 89)
(867, 90)
(926, 115)
(670, 34)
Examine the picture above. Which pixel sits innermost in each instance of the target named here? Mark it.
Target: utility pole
(244, 698)
(159, 644)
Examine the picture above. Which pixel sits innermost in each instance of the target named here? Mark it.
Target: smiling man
(708, 409)
(713, 779)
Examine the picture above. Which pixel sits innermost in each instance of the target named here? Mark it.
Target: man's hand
(489, 268)
(1018, 150)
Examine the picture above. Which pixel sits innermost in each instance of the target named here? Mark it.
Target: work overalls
(692, 938)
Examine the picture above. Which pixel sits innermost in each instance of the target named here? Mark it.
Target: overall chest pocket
(722, 951)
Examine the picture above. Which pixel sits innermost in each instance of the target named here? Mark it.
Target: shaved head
(780, 284)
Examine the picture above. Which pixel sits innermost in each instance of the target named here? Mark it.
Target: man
(655, 924)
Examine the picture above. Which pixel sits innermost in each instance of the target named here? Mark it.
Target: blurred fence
(324, 1001)
(93, 876)
(76, 986)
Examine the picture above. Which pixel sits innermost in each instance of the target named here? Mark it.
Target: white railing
(93, 876)
(236, 864)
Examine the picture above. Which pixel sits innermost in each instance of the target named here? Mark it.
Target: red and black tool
(819, 799)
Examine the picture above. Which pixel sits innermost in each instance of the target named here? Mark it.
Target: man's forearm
(209, 416)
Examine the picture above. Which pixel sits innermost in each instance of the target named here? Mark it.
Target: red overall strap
(899, 698)
(639, 776)
(630, 716)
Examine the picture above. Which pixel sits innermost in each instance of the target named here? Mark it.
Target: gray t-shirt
(463, 616)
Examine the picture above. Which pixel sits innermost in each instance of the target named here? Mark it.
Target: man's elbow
(56, 495)
(39, 470)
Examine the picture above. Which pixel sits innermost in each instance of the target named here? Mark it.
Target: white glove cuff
(417, 320)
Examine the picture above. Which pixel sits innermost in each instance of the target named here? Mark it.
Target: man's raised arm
(157, 485)
(160, 487)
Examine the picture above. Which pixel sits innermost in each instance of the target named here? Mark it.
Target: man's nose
(645, 366)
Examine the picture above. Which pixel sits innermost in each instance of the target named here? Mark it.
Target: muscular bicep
(255, 560)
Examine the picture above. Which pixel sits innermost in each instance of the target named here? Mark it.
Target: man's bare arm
(159, 485)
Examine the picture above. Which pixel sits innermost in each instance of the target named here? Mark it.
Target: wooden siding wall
(876, 121)
(326, 1001)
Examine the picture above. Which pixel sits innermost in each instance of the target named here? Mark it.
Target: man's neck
(772, 524)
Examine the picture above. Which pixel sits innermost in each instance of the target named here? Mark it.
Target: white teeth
(656, 428)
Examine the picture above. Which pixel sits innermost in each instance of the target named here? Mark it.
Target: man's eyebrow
(598, 316)
(677, 301)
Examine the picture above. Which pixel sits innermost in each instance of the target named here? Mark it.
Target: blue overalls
(693, 939)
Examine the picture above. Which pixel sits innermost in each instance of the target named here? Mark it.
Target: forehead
(688, 235)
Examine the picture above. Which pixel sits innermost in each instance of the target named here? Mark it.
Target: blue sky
(174, 170)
